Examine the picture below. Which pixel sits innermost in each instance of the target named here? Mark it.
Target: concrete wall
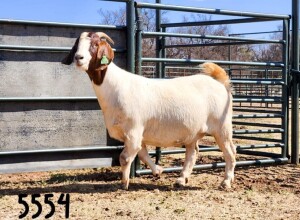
(44, 125)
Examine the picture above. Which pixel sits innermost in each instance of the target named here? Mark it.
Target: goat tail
(216, 72)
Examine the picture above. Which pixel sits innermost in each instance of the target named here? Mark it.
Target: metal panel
(257, 138)
(47, 105)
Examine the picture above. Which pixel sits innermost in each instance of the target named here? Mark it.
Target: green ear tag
(104, 60)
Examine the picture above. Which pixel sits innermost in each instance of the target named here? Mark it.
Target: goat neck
(113, 86)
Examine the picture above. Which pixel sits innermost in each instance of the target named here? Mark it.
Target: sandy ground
(269, 192)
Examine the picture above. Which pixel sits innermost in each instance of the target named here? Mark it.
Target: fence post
(130, 23)
(163, 53)
(158, 65)
(138, 49)
(130, 35)
(158, 40)
(285, 95)
(295, 83)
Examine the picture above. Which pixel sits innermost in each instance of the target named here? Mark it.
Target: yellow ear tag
(104, 60)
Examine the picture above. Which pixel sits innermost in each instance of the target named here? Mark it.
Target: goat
(173, 112)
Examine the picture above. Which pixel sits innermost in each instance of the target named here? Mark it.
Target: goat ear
(105, 54)
(70, 57)
(111, 53)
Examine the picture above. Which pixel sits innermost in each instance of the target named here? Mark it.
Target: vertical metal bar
(138, 52)
(130, 35)
(266, 93)
(157, 155)
(285, 96)
(137, 165)
(229, 57)
(158, 41)
(163, 54)
(295, 84)
(130, 23)
(158, 65)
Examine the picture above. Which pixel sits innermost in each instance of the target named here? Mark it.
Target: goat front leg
(144, 156)
(132, 147)
(190, 160)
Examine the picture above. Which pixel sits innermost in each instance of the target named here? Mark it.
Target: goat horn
(101, 35)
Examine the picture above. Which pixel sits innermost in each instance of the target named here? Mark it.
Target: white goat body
(169, 112)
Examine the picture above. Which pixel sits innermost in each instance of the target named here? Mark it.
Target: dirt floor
(269, 192)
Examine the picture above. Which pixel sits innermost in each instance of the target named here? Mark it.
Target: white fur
(174, 112)
(170, 112)
(82, 50)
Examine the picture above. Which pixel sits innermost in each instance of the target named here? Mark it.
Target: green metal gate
(256, 137)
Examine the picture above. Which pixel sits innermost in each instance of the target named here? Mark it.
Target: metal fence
(48, 111)
(254, 91)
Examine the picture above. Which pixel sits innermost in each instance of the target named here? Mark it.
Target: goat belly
(169, 133)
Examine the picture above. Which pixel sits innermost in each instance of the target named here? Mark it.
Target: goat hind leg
(229, 152)
(229, 167)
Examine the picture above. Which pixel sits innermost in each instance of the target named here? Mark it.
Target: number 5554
(64, 199)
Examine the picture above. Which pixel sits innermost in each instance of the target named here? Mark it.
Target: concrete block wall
(32, 125)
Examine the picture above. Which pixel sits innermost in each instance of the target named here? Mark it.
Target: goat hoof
(225, 184)
(181, 182)
(158, 171)
(125, 185)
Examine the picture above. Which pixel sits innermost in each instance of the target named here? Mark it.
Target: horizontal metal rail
(60, 24)
(203, 148)
(256, 124)
(46, 48)
(220, 165)
(91, 98)
(209, 11)
(221, 62)
(164, 34)
(258, 81)
(256, 110)
(256, 33)
(260, 153)
(258, 146)
(257, 138)
(259, 97)
(258, 131)
(102, 148)
(62, 150)
(217, 22)
(257, 69)
(257, 116)
(46, 99)
(212, 44)
(258, 100)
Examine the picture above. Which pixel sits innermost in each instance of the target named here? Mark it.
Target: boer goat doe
(172, 112)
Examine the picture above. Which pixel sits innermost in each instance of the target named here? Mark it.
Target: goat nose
(78, 57)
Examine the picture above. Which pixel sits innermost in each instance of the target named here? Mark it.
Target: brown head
(91, 53)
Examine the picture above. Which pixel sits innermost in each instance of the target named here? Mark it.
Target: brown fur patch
(98, 49)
